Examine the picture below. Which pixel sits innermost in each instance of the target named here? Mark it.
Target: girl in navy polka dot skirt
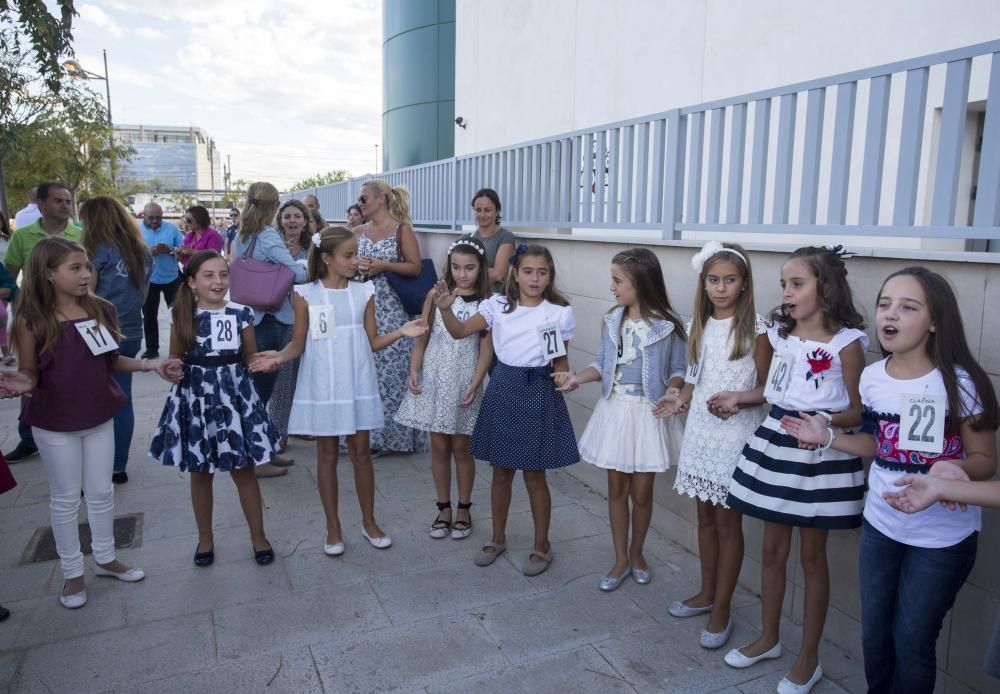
(523, 423)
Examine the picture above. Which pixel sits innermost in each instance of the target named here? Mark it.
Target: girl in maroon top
(66, 341)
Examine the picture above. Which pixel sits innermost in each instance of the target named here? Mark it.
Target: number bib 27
(921, 423)
(97, 336)
(551, 341)
(321, 322)
(778, 378)
(225, 332)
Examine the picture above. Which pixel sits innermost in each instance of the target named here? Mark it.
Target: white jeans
(73, 460)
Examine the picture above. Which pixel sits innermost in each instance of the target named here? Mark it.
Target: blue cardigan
(664, 355)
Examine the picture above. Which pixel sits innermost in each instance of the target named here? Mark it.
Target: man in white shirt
(30, 213)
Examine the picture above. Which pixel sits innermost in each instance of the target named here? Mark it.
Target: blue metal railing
(770, 161)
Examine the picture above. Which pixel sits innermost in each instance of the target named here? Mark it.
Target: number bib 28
(778, 378)
(321, 322)
(225, 332)
(551, 341)
(97, 336)
(921, 423)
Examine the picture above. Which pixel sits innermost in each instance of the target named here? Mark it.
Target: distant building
(172, 158)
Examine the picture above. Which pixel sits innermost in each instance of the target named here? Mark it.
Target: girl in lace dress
(728, 353)
(446, 385)
(641, 358)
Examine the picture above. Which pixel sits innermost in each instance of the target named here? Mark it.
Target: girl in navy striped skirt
(818, 358)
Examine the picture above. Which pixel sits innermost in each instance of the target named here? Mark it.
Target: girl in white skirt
(641, 359)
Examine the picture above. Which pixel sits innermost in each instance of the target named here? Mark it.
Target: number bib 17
(225, 332)
(321, 322)
(551, 341)
(778, 378)
(921, 423)
(97, 336)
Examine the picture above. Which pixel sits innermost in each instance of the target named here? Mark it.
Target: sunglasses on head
(363, 199)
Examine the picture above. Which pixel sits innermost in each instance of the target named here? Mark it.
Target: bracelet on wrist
(825, 415)
(830, 431)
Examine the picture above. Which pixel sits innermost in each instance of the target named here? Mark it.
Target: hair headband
(466, 242)
(519, 251)
(708, 250)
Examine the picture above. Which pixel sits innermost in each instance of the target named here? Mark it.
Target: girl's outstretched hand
(948, 470)
(809, 429)
(15, 383)
(921, 492)
(723, 405)
(443, 297)
(171, 370)
(566, 381)
(670, 405)
(415, 328)
(413, 383)
(265, 361)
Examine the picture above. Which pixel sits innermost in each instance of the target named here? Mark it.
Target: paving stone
(109, 659)
(8, 668)
(409, 656)
(579, 670)
(296, 619)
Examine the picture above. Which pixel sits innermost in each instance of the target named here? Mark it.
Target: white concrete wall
(582, 274)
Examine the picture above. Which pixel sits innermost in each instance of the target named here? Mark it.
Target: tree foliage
(318, 180)
(50, 37)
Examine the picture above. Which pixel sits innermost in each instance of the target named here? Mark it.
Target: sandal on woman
(440, 528)
(462, 529)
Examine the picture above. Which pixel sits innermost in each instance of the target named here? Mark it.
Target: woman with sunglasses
(200, 234)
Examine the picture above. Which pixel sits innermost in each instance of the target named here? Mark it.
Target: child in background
(930, 411)
(213, 419)
(445, 386)
(641, 358)
(66, 340)
(523, 423)
(728, 353)
(337, 389)
(819, 354)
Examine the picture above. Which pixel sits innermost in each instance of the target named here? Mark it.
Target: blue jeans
(906, 592)
(125, 417)
(269, 334)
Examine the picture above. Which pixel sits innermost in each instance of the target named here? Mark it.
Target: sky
(287, 88)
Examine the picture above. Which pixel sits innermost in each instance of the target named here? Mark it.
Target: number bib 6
(322, 325)
(778, 378)
(551, 341)
(96, 336)
(921, 423)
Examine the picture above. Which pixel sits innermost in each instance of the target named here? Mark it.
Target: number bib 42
(551, 341)
(778, 378)
(321, 322)
(225, 332)
(97, 336)
(921, 423)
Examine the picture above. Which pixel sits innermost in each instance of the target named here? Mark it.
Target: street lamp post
(76, 71)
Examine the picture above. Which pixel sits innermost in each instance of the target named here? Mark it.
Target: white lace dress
(711, 445)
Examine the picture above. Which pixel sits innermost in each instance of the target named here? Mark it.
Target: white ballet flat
(736, 659)
(383, 542)
(679, 609)
(129, 576)
(74, 601)
(333, 550)
(716, 639)
(786, 686)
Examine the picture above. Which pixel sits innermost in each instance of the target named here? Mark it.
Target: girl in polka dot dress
(523, 423)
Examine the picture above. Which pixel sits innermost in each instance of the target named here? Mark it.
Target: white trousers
(75, 460)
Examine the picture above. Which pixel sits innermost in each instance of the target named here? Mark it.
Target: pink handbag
(259, 284)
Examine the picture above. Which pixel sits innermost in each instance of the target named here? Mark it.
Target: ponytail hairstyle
(259, 209)
(834, 293)
(643, 269)
(36, 301)
(743, 330)
(185, 303)
(106, 222)
(949, 351)
(305, 234)
(467, 245)
(326, 241)
(510, 289)
(397, 200)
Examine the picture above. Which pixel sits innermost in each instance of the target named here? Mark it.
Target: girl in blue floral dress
(213, 419)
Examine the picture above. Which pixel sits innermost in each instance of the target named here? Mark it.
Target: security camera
(460, 122)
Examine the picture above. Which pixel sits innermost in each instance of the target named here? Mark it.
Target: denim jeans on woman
(906, 592)
(269, 334)
(125, 417)
(75, 460)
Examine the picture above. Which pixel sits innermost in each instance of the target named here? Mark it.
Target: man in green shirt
(56, 204)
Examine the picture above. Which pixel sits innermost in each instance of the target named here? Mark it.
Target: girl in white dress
(336, 393)
(728, 354)
(446, 385)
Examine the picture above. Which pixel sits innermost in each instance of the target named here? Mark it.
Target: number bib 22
(551, 341)
(321, 322)
(921, 423)
(97, 336)
(225, 332)
(778, 378)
